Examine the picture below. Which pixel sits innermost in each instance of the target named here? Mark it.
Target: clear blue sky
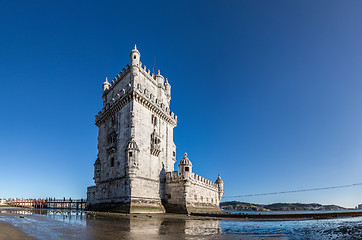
(268, 93)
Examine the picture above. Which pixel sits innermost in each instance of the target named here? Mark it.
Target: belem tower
(134, 171)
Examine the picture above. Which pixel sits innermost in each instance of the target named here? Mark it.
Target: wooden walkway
(78, 204)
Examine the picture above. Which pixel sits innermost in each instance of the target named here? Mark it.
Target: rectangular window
(154, 120)
(130, 154)
(174, 153)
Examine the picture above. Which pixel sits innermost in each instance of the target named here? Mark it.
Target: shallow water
(80, 225)
(294, 212)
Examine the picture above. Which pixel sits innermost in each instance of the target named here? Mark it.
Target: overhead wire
(294, 191)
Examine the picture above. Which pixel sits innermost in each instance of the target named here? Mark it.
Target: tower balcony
(155, 149)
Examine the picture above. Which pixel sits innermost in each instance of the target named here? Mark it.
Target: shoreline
(205, 216)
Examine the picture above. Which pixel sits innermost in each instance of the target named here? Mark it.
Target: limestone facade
(134, 170)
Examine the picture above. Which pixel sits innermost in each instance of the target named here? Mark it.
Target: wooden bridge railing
(64, 203)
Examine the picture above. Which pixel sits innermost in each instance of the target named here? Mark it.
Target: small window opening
(154, 120)
(174, 153)
(130, 154)
(187, 169)
(112, 162)
(134, 57)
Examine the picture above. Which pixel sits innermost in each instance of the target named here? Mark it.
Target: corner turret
(168, 91)
(159, 79)
(220, 184)
(185, 167)
(106, 85)
(132, 156)
(97, 171)
(135, 56)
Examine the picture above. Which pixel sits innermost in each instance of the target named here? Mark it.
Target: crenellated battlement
(143, 96)
(117, 79)
(174, 176)
(202, 180)
(142, 69)
(126, 96)
(136, 79)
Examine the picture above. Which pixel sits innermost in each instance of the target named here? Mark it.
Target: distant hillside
(243, 206)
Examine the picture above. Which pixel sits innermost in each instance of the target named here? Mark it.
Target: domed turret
(132, 145)
(185, 166)
(159, 79)
(132, 155)
(135, 56)
(219, 180)
(220, 184)
(106, 85)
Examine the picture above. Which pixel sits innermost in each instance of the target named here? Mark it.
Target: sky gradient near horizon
(268, 93)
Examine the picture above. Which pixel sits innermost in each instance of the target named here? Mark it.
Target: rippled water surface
(80, 225)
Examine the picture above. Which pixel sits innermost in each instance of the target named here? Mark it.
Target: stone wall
(191, 194)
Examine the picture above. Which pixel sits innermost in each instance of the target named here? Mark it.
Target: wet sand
(9, 232)
(90, 225)
(109, 226)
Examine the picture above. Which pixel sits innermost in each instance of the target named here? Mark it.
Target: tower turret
(135, 56)
(106, 85)
(220, 184)
(132, 156)
(97, 171)
(185, 167)
(168, 91)
(159, 79)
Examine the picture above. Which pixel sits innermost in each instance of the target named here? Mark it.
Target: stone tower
(135, 142)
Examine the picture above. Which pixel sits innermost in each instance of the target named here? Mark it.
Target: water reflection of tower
(144, 227)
